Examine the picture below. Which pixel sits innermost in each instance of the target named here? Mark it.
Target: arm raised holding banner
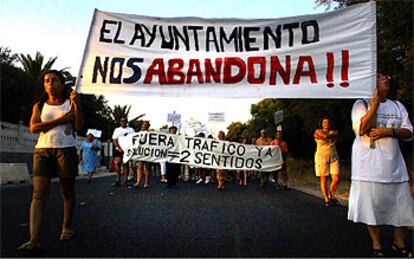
(379, 170)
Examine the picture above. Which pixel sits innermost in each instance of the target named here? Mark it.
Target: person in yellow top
(143, 165)
(264, 140)
(327, 160)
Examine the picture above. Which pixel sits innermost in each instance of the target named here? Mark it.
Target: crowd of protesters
(379, 194)
(170, 173)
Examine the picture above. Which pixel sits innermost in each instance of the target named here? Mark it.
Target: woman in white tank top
(56, 117)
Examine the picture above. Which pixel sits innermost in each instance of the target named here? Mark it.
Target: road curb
(317, 193)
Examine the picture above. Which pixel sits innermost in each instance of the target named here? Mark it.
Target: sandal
(67, 234)
(29, 246)
(115, 184)
(327, 203)
(377, 253)
(335, 202)
(401, 251)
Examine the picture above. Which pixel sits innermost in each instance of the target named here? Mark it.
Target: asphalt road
(191, 221)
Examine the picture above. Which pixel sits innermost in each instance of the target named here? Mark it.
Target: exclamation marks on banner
(344, 69)
(330, 69)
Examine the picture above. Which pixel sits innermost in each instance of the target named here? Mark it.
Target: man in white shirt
(123, 130)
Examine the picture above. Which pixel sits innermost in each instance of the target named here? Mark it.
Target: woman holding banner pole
(380, 192)
(57, 116)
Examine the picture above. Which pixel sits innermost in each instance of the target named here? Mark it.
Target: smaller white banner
(174, 118)
(199, 152)
(278, 117)
(202, 129)
(96, 133)
(216, 116)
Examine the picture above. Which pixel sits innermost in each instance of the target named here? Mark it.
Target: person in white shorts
(327, 160)
(121, 131)
(163, 169)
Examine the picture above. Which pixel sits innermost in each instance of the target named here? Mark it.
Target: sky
(60, 28)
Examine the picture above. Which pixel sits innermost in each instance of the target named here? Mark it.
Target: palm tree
(119, 112)
(35, 67)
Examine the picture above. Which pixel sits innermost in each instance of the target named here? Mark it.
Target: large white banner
(199, 152)
(328, 55)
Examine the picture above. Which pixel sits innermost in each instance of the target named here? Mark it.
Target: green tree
(16, 94)
(263, 114)
(119, 112)
(6, 56)
(20, 88)
(97, 115)
(301, 118)
(35, 67)
(236, 131)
